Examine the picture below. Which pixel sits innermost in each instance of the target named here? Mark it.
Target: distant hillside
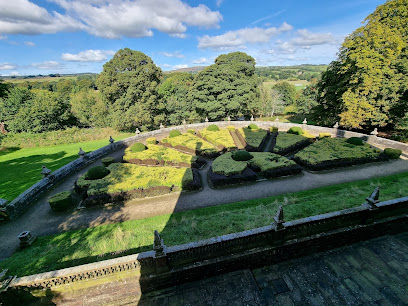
(43, 78)
(194, 69)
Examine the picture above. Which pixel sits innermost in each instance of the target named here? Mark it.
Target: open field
(39, 79)
(299, 84)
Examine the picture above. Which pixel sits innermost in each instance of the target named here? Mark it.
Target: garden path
(40, 220)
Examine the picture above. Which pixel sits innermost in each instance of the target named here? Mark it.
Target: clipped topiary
(151, 140)
(138, 147)
(191, 131)
(355, 141)
(295, 130)
(253, 126)
(61, 201)
(273, 129)
(392, 153)
(106, 161)
(174, 133)
(213, 128)
(324, 135)
(241, 155)
(96, 173)
(231, 128)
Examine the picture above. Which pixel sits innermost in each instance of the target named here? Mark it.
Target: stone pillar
(160, 256)
(336, 129)
(45, 171)
(278, 220)
(372, 200)
(304, 124)
(252, 118)
(81, 153)
(137, 131)
(161, 126)
(373, 136)
(26, 239)
(111, 140)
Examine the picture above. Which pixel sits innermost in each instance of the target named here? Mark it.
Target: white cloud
(47, 65)
(118, 18)
(176, 54)
(3, 37)
(202, 60)
(308, 39)
(239, 38)
(178, 35)
(7, 66)
(14, 73)
(88, 56)
(218, 2)
(29, 43)
(175, 67)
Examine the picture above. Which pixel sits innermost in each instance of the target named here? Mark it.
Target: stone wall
(20, 204)
(249, 249)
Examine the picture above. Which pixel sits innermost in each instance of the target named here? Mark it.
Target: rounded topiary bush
(273, 129)
(324, 135)
(355, 141)
(392, 153)
(174, 133)
(96, 173)
(295, 130)
(253, 126)
(191, 131)
(61, 201)
(151, 140)
(241, 155)
(138, 147)
(106, 161)
(213, 128)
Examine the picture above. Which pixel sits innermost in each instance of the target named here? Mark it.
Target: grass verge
(84, 246)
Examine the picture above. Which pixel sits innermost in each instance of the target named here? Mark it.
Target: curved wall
(24, 200)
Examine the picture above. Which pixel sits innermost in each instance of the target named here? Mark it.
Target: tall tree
(287, 92)
(129, 83)
(271, 102)
(367, 85)
(227, 88)
(89, 108)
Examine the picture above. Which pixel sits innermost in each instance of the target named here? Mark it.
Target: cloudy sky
(69, 36)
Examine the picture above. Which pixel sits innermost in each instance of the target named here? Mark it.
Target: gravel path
(40, 220)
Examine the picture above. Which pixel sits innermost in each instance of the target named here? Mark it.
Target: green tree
(227, 88)
(129, 83)
(271, 102)
(287, 92)
(367, 85)
(4, 88)
(307, 98)
(89, 108)
(17, 97)
(175, 94)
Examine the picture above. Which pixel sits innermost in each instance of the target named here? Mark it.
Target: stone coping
(18, 206)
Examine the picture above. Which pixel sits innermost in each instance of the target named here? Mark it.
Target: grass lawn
(21, 168)
(83, 246)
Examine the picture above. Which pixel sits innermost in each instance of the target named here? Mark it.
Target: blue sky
(72, 36)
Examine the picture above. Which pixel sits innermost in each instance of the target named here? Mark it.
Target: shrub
(61, 201)
(392, 153)
(253, 126)
(151, 140)
(355, 141)
(231, 128)
(106, 161)
(174, 133)
(213, 128)
(273, 129)
(295, 130)
(191, 131)
(138, 147)
(324, 135)
(241, 155)
(96, 173)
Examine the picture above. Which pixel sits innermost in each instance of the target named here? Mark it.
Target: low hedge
(392, 153)
(174, 133)
(151, 140)
(96, 173)
(138, 147)
(222, 139)
(295, 130)
(324, 135)
(191, 131)
(241, 155)
(255, 139)
(355, 141)
(213, 128)
(220, 180)
(225, 165)
(274, 129)
(191, 144)
(286, 143)
(61, 201)
(253, 126)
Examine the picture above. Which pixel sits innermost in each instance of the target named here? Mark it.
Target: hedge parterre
(192, 142)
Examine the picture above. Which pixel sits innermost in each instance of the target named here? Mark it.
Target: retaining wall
(248, 249)
(20, 204)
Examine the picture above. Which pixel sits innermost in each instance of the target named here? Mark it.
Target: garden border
(20, 204)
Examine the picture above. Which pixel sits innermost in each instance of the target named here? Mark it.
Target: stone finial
(111, 140)
(304, 121)
(373, 198)
(206, 119)
(81, 152)
(137, 131)
(252, 118)
(3, 202)
(375, 132)
(158, 245)
(336, 126)
(161, 126)
(184, 122)
(278, 220)
(277, 118)
(26, 239)
(45, 171)
(229, 118)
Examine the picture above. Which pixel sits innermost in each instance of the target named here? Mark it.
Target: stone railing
(249, 249)
(20, 204)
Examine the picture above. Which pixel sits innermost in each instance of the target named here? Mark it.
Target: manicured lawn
(21, 168)
(159, 153)
(83, 246)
